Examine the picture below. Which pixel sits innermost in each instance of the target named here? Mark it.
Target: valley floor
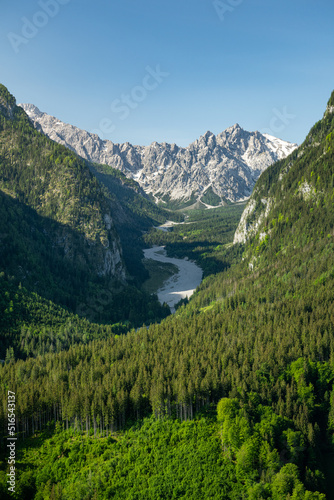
(180, 285)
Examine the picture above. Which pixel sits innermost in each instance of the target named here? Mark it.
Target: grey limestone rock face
(228, 163)
(6, 108)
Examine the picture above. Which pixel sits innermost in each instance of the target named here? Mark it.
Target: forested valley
(232, 397)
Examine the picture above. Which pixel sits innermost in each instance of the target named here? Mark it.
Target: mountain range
(213, 170)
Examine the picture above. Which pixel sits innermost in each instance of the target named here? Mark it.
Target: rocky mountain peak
(32, 110)
(207, 135)
(206, 140)
(235, 129)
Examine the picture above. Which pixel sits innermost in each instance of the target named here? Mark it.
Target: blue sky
(167, 70)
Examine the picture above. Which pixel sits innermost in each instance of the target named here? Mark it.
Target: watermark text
(122, 107)
(31, 27)
(11, 439)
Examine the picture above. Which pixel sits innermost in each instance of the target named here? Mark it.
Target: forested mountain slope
(295, 186)
(57, 225)
(59, 186)
(257, 339)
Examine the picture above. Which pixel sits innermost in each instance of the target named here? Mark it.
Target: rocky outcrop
(250, 220)
(102, 258)
(227, 164)
(6, 108)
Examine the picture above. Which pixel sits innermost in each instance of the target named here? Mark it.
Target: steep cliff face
(212, 169)
(7, 104)
(251, 219)
(292, 188)
(73, 212)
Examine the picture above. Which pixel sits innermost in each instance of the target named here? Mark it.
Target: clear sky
(169, 70)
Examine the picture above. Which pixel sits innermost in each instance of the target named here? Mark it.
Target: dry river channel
(180, 285)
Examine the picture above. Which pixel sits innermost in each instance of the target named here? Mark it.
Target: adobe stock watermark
(31, 27)
(224, 7)
(126, 103)
(11, 406)
(279, 121)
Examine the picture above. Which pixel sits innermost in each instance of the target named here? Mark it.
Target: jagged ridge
(227, 164)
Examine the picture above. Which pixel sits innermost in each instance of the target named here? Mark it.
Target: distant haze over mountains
(213, 169)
